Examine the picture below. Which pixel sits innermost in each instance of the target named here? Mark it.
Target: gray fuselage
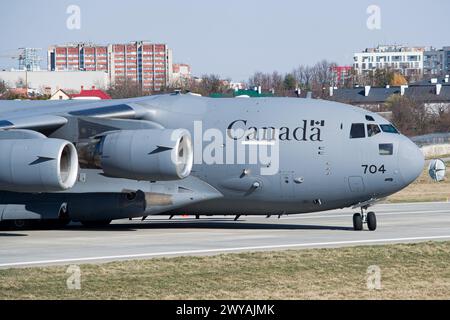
(319, 165)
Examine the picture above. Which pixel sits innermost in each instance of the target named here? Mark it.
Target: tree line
(414, 117)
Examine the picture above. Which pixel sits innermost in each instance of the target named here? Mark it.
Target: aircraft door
(357, 143)
(356, 184)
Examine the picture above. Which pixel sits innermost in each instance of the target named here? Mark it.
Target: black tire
(357, 222)
(371, 221)
(20, 224)
(96, 223)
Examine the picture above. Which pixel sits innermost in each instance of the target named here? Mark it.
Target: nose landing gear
(360, 218)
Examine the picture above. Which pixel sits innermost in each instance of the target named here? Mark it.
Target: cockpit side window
(372, 129)
(388, 128)
(357, 131)
(386, 149)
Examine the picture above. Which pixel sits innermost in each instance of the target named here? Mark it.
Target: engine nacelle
(37, 165)
(147, 154)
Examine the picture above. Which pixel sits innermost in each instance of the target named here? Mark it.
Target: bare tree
(125, 89)
(323, 72)
(262, 79)
(209, 84)
(410, 116)
(277, 82)
(304, 76)
(3, 88)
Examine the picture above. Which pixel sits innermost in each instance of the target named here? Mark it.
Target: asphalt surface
(158, 236)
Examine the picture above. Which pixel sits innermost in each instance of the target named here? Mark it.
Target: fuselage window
(372, 129)
(357, 131)
(386, 149)
(389, 128)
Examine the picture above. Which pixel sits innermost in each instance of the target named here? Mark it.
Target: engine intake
(37, 165)
(148, 154)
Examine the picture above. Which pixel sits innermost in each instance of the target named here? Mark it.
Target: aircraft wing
(33, 122)
(51, 115)
(67, 152)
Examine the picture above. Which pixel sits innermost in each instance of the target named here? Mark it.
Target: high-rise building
(145, 63)
(433, 62)
(446, 60)
(437, 62)
(78, 57)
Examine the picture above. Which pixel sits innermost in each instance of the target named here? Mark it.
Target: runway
(160, 237)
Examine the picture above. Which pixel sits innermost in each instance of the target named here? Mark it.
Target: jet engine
(147, 154)
(37, 165)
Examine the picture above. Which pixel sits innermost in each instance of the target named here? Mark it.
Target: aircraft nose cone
(411, 161)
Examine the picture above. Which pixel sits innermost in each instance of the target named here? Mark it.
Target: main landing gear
(360, 218)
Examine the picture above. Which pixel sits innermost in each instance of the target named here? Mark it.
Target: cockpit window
(386, 149)
(389, 128)
(369, 118)
(372, 129)
(357, 131)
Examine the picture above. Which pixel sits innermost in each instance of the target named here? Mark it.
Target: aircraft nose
(411, 160)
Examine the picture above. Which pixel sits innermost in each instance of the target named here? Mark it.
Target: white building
(237, 85)
(47, 82)
(60, 95)
(181, 74)
(407, 60)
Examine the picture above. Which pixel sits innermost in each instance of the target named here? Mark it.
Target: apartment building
(433, 61)
(147, 64)
(406, 60)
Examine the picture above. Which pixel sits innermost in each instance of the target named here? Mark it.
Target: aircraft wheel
(95, 223)
(357, 222)
(371, 221)
(20, 224)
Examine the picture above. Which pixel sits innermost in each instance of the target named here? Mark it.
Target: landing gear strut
(360, 218)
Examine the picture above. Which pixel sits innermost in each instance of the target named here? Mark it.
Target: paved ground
(158, 236)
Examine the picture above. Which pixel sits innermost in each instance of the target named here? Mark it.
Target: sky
(232, 38)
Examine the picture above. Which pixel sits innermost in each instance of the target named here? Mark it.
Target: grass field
(408, 271)
(423, 190)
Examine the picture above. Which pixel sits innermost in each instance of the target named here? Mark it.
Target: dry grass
(409, 271)
(423, 190)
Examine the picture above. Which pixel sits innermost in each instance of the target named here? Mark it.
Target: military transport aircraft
(177, 154)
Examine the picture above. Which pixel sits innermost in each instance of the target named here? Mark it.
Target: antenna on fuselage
(436, 170)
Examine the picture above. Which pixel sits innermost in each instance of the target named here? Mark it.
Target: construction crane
(29, 59)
